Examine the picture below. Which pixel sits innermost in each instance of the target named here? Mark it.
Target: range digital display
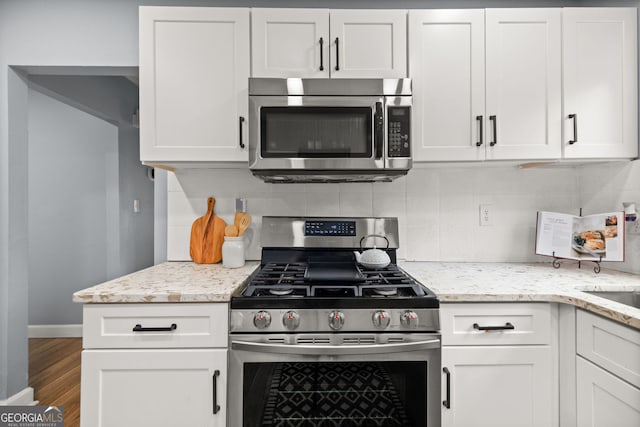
(329, 228)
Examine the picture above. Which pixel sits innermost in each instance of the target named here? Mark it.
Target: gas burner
(281, 292)
(386, 292)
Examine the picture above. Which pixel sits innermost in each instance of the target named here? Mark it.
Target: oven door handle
(336, 350)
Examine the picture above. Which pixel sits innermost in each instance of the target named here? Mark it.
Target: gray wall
(73, 161)
(136, 229)
(89, 233)
(92, 33)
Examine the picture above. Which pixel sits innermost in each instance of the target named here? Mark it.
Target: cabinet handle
(139, 328)
(447, 403)
(321, 56)
(506, 326)
(337, 54)
(216, 407)
(240, 131)
(575, 128)
(480, 141)
(378, 118)
(494, 121)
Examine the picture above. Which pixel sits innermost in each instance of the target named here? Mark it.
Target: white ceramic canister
(233, 252)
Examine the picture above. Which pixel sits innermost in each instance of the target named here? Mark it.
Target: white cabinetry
(194, 70)
(323, 43)
(447, 70)
(607, 372)
(523, 83)
(499, 377)
(600, 80)
(515, 54)
(154, 365)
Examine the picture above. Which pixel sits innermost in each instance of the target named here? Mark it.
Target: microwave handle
(379, 130)
(335, 350)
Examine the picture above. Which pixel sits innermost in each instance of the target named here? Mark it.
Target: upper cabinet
(600, 80)
(194, 71)
(311, 43)
(523, 83)
(513, 54)
(447, 70)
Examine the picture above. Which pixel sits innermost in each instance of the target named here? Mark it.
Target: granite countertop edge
(186, 282)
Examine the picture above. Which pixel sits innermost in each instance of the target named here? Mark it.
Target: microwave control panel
(399, 124)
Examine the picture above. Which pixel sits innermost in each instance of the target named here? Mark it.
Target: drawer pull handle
(216, 407)
(506, 326)
(139, 328)
(447, 403)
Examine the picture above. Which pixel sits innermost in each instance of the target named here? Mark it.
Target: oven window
(335, 394)
(321, 132)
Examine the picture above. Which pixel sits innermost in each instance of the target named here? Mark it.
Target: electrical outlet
(241, 204)
(633, 227)
(486, 217)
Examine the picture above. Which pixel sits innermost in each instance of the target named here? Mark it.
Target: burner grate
(284, 280)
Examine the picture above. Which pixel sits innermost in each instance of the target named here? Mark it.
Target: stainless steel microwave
(329, 130)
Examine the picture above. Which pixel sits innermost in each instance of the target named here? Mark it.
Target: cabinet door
(290, 42)
(194, 69)
(501, 386)
(153, 388)
(523, 83)
(603, 399)
(368, 43)
(447, 71)
(600, 80)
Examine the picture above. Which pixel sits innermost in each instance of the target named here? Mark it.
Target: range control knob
(409, 319)
(381, 319)
(291, 320)
(336, 320)
(262, 319)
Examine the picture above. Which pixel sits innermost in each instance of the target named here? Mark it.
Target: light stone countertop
(535, 282)
(452, 282)
(171, 282)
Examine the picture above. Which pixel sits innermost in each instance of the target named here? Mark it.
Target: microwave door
(316, 133)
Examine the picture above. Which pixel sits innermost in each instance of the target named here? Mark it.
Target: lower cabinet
(605, 400)
(499, 365)
(154, 365)
(607, 373)
(135, 388)
(498, 386)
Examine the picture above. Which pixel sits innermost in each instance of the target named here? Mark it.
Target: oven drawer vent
(313, 340)
(359, 340)
(276, 340)
(394, 340)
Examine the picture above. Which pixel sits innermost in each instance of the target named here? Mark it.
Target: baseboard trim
(22, 398)
(55, 331)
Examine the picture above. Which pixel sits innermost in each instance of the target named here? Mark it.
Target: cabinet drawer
(610, 345)
(464, 324)
(150, 325)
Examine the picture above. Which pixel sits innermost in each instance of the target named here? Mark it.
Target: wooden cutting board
(207, 237)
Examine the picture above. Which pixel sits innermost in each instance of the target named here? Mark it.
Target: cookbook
(598, 237)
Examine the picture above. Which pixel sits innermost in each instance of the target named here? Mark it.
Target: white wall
(603, 188)
(73, 162)
(437, 207)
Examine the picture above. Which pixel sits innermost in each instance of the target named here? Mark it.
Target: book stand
(557, 263)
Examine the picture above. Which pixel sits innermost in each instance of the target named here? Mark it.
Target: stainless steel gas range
(317, 339)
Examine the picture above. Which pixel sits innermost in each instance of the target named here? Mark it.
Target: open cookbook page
(591, 238)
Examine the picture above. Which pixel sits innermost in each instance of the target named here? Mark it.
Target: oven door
(304, 380)
(316, 133)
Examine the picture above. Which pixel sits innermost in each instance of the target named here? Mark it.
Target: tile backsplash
(437, 206)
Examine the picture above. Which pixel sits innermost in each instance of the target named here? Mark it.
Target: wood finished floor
(54, 374)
